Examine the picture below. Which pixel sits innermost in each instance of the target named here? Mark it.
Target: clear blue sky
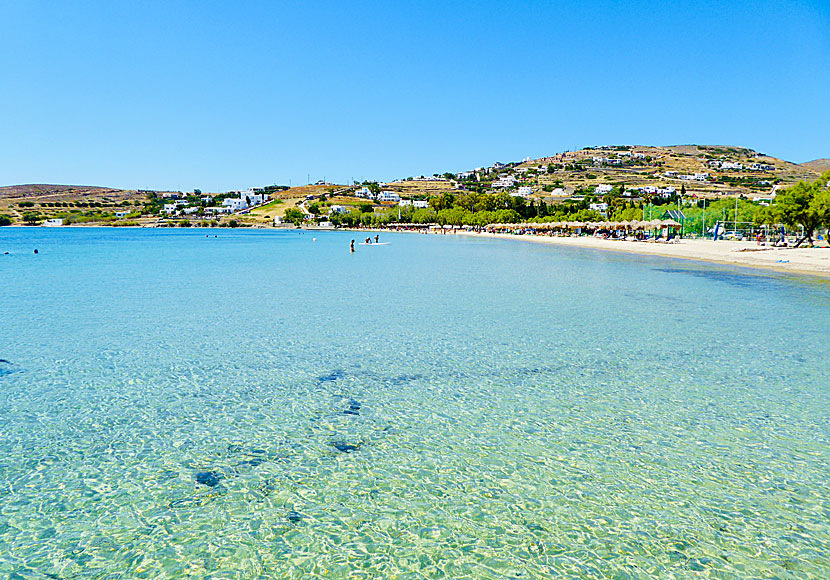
(223, 95)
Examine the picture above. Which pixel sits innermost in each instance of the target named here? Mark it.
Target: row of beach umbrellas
(623, 225)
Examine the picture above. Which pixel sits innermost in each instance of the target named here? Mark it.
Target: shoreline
(801, 261)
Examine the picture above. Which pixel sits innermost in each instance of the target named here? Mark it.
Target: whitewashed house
(600, 207)
(525, 191)
(53, 222)
(338, 209)
(388, 196)
(365, 193)
(603, 188)
(420, 204)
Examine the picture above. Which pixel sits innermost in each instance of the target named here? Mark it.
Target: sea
(243, 404)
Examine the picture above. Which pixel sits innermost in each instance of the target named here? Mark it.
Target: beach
(811, 261)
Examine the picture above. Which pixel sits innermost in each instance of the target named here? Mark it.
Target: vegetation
(294, 215)
(804, 204)
(5, 220)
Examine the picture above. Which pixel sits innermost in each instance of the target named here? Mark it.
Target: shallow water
(261, 405)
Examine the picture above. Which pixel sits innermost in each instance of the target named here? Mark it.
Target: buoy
(35, 250)
(314, 239)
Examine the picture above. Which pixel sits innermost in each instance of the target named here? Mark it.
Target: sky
(225, 95)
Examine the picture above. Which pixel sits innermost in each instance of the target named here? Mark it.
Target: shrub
(5, 220)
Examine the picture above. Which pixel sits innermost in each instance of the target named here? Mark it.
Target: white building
(338, 209)
(504, 181)
(600, 207)
(388, 196)
(170, 208)
(190, 210)
(603, 188)
(235, 203)
(121, 214)
(222, 209)
(420, 204)
(729, 165)
(405, 202)
(52, 222)
(525, 191)
(364, 193)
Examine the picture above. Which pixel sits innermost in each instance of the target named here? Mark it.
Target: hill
(818, 165)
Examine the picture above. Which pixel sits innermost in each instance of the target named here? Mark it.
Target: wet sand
(812, 261)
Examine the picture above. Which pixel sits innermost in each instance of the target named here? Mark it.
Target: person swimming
(351, 246)
(368, 240)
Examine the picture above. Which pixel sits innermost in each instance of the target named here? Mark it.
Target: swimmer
(368, 240)
(351, 247)
(35, 250)
(377, 239)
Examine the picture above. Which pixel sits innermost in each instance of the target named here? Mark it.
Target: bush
(26, 204)
(31, 219)
(5, 220)
(233, 224)
(184, 223)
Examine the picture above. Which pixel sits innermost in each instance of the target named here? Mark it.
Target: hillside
(697, 171)
(818, 165)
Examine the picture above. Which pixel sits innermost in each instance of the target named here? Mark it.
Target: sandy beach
(811, 261)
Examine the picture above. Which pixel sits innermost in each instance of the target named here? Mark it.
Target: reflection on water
(261, 406)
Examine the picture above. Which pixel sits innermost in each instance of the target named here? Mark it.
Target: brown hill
(818, 165)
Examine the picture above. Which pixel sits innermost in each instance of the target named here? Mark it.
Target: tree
(314, 208)
(794, 207)
(294, 215)
(31, 219)
(197, 191)
(374, 188)
(5, 220)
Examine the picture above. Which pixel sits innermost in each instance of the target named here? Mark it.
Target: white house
(339, 209)
(525, 191)
(222, 209)
(235, 203)
(639, 156)
(121, 214)
(420, 204)
(729, 165)
(405, 202)
(602, 189)
(701, 176)
(52, 222)
(504, 181)
(170, 208)
(388, 196)
(600, 207)
(190, 210)
(364, 193)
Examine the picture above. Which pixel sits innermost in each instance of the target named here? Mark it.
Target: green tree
(796, 206)
(294, 215)
(31, 219)
(5, 220)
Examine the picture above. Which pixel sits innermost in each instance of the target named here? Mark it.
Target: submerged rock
(294, 517)
(208, 478)
(345, 447)
(332, 376)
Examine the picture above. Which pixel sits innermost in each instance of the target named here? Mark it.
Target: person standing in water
(377, 239)
(368, 240)
(351, 246)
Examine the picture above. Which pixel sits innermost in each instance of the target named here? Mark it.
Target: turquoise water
(261, 405)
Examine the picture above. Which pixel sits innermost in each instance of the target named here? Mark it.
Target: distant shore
(810, 261)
